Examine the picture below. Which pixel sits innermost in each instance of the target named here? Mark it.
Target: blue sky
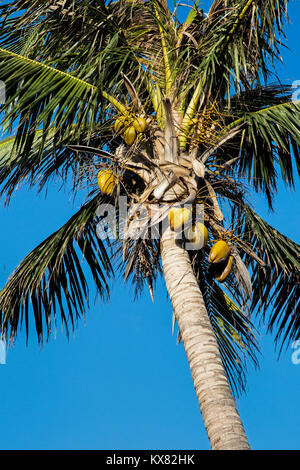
(121, 382)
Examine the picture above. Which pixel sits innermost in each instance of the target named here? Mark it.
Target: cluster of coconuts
(129, 126)
(220, 253)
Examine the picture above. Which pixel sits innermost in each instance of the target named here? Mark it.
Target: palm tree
(181, 120)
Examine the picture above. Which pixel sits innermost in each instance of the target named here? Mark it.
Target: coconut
(119, 123)
(140, 124)
(130, 135)
(106, 181)
(198, 236)
(224, 272)
(179, 217)
(219, 252)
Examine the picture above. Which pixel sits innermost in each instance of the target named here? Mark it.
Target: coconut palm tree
(177, 121)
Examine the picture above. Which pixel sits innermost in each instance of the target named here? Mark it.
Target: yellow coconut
(179, 217)
(219, 252)
(198, 236)
(140, 124)
(221, 277)
(119, 123)
(130, 135)
(106, 181)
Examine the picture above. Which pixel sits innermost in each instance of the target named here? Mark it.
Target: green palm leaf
(39, 96)
(270, 139)
(240, 40)
(51, 278)
(278, 299)
(272, 131)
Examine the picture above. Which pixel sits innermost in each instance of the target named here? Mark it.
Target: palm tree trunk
(222, 421)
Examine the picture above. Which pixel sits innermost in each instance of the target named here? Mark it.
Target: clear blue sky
(121, 382)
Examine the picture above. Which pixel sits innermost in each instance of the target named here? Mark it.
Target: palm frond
(270, 139)
(69, 36)
(46, 160)
(41, 97)
(240, 39)
(143, 264)
(51, 279)
(276, 287)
